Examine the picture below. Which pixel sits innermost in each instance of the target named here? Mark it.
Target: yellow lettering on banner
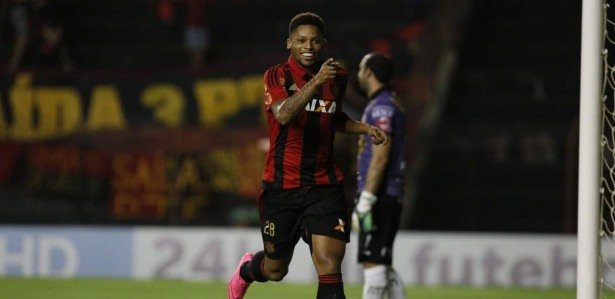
(131, 205)
(251, 90)
(143, 175)
(4, 130)
(252, 94)
(216, 100)
(138, 173)
(105, 109)
(59, 110)
(250, 160)
(22, 107)
(188, 177)
(168, 103)
(122, 174)
(223, 164)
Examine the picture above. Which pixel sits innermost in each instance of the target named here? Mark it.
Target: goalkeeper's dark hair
(381, 65)
(306, 18)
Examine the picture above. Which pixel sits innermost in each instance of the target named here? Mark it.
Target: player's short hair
(381, 65)
(306, 18)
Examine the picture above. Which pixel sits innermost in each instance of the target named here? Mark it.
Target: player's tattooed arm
(286, 110)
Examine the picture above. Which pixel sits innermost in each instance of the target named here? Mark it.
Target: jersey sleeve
(382, 116)
(275, 89)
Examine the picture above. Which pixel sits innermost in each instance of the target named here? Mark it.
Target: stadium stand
(120, 51)
(498, 162)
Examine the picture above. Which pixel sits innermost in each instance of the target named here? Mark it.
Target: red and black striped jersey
(301, 152)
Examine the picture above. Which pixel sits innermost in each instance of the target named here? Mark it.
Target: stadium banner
(211, 254)
(40, 107)
(146, 149)
(213, 178)
(65, 251)
(431, 259)
(138, 195)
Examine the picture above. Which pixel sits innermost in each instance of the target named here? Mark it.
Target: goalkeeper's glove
(362, 215)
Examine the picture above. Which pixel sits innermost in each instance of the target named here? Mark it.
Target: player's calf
(330, 286)
(395, 286)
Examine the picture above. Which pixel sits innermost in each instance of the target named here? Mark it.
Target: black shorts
(377, 246)
(289, 214)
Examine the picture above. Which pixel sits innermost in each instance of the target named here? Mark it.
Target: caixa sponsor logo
(321, 106)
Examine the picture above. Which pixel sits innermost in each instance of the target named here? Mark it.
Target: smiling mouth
(308, 55)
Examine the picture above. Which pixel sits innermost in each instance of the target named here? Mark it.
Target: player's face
(306, 44)
(363, 73)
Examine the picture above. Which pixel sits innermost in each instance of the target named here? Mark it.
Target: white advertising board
(420, 258)
(211, 254)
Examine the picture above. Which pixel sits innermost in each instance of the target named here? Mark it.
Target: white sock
(375, 282)
(395, 287)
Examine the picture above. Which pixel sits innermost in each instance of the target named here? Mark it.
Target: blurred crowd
(38, 36)
(195, 35)
(131, 66)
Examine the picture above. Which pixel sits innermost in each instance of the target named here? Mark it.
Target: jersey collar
(298, 68)
(379, 91)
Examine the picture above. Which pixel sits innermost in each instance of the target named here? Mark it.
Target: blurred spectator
(196, 34)
(411, 32)
(166, 10)
(39, 31)
(19, 19)
(53, 47)
(381, 45)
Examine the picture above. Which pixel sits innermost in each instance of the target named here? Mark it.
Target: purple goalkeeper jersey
(384, 112)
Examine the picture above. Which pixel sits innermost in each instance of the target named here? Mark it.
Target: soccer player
(302, 195)
(380, 180)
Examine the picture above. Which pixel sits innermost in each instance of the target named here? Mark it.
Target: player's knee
(328, 263)
(277, 274)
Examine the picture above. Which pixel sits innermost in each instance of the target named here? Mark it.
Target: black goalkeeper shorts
(289, 214)
(377, 246)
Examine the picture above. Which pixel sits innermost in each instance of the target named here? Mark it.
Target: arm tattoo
(277, 107)
(286, 110)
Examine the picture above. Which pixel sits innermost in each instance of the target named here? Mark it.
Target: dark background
(490, 90)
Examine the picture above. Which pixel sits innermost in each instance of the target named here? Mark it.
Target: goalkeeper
(380, 180)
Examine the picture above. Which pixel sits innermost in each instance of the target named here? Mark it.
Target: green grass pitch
(39, 288)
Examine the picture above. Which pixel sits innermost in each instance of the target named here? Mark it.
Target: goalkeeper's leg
(395, 287)
(375, 283)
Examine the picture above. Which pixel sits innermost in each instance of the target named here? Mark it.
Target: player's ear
(288, 43)
(368, 72)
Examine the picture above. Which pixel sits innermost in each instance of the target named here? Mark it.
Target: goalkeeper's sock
(375, 282)
(253, 270)
(330, 286)
(395, 286)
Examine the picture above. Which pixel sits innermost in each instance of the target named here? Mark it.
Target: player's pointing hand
(327, 71)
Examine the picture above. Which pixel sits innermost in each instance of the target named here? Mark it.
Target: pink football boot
(237, 287)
